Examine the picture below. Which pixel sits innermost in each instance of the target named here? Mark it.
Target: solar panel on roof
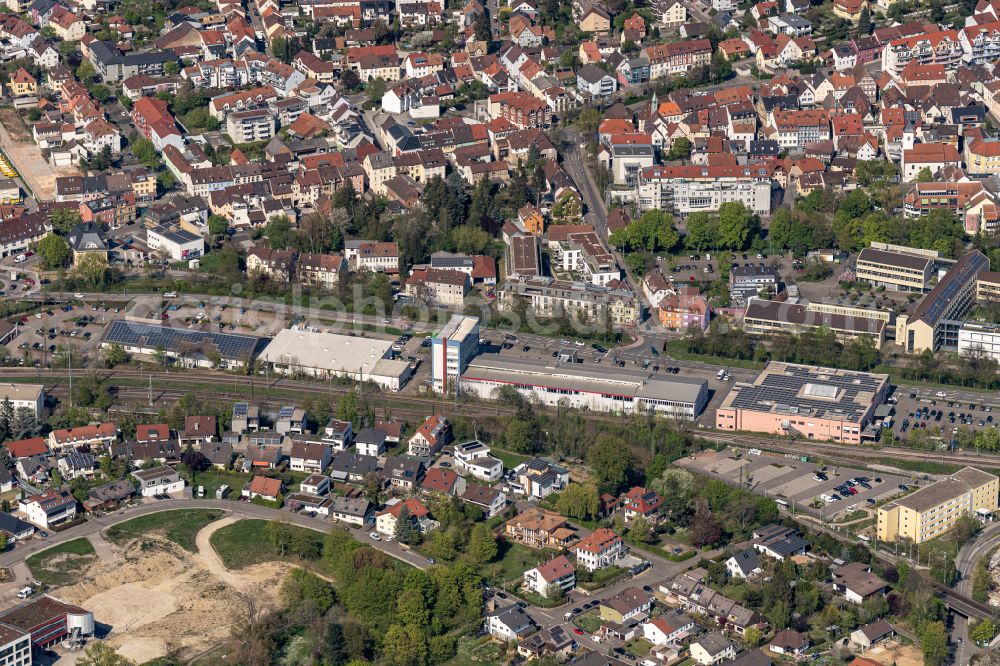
(240, 409)
(229, 345)
(286, 412)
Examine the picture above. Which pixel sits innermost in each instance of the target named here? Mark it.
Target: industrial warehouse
(621, 390)
(318, 354)
(202, 349)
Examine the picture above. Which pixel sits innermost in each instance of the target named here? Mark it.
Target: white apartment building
(249, 126)
(451, 350)
(979, 338)
(24, 396)
(161, 480)
(689, 189)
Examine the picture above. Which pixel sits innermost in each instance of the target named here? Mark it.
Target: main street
(965, 562)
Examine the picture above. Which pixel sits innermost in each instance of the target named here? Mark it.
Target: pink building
(683, 308)
(805, 401)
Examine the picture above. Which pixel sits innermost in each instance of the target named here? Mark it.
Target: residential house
(444, 481)
(601, 548)
(109, 495)
(338, 434)
(510, 623)
(492, 501)
(628, 604)
(778, 541)
(77, 465)
(370, 442)
(640, 501)
(745, 564)
(403, 472)
(712, 648)
(433, 433)
(309, 456)
(198, 430)
(162, 480)
(667, 628)
(350, 467)
(290, 419)
(540, 478)
(789, 642)
(264, 487)
(540, 528)
(872, 634)
(386, 520)
(49, 508)
(552, 578)
(352, 510)
(857, 583)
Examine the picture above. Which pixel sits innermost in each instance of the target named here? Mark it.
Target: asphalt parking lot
(946, 410)
(793, 480)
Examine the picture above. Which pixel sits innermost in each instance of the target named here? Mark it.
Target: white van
(201, 491)
(720, 374)
(19, 258)
(25, 593)
(170, 294)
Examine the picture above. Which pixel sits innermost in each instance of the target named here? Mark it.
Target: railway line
(211, 386)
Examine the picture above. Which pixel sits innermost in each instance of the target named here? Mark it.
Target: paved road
(21, 551)
(965, 562)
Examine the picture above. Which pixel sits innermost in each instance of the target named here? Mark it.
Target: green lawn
(473, 652)
(179, 526)
(589, 621)
(214, 477)
(245, 543)
(515, 559)
(600, 578)
(640, 647)
(510, 460)
(62, 564)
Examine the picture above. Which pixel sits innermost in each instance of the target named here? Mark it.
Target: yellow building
(22, 83)
(595, 19)
(930, 512)
(988, 287)
(982, 157)
(896, 268)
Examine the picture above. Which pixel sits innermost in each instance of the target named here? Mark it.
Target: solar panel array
(240, 410)
(941, 297)
(286, 412)
(783, 389)
(136, 334)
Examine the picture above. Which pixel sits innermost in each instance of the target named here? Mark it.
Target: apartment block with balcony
(931, 511)
(249, 126)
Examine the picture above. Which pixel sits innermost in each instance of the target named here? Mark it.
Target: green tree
(925, 175)
(934, 643)
(146, 152)
(983, 631)
(482, 544)
(99, 653)
(217, 225)
(115, 355)
(334, 648)
(171, 68)
(610, 463)
(374, 90)
(412, 608)
(588, 121)
(101, 93)
(54, 251)
(680, 149)
(93, 268)
(987, 440)
(278, 232)
(865, 22)
(64, 219)
(753, 637)
(86, 72)
(579, 500)
(639, 529)
(406, 530)
(702, 231)
(736, 225)
(653, 231)
(404, 646)
(301, 586)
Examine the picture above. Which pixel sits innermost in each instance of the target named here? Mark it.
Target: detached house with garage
(600, 549)
(745, 564)
(667, 628)
(509, 623)
(556, 574)
(263, 487)
(162, 480)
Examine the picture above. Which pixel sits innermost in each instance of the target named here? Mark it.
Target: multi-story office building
(938, 317)
(988, 287)
(451, 350)
(975, 338)
(930, 512)
(764, 317)
(896, 268)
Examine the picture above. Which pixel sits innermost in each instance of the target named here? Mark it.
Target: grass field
(62, 564)
(640, 647)
(589, 621)
(245, 543)
(514, 560)
(179, 526)
(213, 477)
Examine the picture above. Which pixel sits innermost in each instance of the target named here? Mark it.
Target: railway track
(208, 385)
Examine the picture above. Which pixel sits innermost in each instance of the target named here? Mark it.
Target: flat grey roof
(957, 484)
(616, 381)
(897, 259)
(326, 351)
